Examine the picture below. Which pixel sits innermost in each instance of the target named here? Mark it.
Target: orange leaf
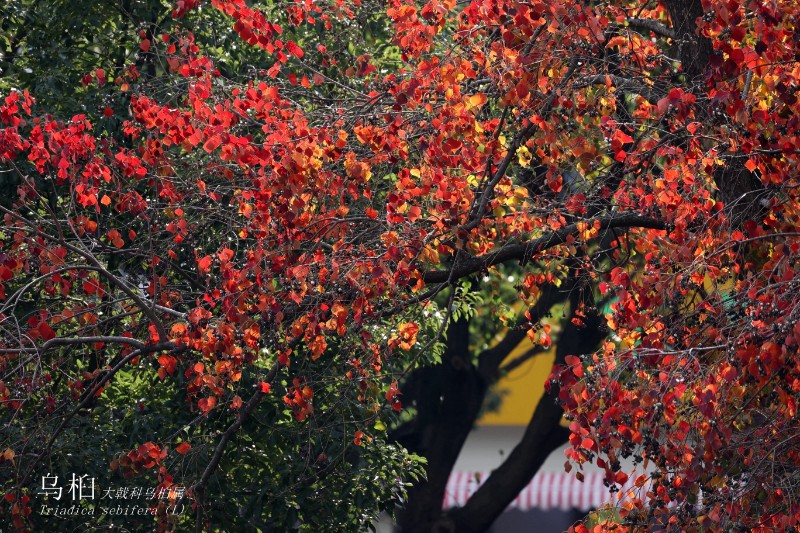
(477, 100)
(318, 346)
(237, 402)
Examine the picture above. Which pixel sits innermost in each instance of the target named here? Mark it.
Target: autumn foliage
(268, 250)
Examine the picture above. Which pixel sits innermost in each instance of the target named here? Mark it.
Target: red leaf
(45, 331)
(89, 287)
(204, 264)
(451, 146)
(183, 447)
(168, 363)
(211, 144)
(207, 404)
(294, 49)
(622, 138)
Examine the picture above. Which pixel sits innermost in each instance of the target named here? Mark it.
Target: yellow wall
(524, 386)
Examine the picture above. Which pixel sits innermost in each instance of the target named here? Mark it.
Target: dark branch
(526, 251)
(77, 340)
(243, 415)
(652, 25)
(476, 215)
(620, 82)
(694, 50)
(486, 195)
(543, 435)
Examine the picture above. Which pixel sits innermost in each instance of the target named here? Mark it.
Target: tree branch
(525, 251)
(89, 395)
(476, 214)
(694, 50)
(78, 340)
(652, 25)
(620, 82)
(243, 415)
(197, 489)
(543, 435)
(99, 267)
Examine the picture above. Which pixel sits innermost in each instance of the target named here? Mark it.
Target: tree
(280, 243)
(166, 399)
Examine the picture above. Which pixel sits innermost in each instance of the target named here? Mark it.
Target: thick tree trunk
(543, 435)
(693, 50)
(448, 398)
(740, 190)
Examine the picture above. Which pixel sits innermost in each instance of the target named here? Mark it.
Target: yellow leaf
(9, 455)
(430, 255)
(523, 156)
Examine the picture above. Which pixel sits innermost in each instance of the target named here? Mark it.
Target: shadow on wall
(514, 521)
(536, 521)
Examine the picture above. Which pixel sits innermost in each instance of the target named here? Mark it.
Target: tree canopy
(260, 252)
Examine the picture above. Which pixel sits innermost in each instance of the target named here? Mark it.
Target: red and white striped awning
(547, 490)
